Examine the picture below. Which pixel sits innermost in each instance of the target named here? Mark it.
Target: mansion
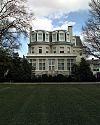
(54, 52)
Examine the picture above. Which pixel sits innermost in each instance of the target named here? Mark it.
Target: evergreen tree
(82, 72)
(85, 72)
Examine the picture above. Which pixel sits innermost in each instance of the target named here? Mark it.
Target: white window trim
(51, 65)
(45, 37)
(59, 36)
(61, 49)
(68, 50)
(32, 50)
(61, 63)
(42, 65)
(33, 40)
(42, 36)
(67, 38)
(41, 49)
(52, 37)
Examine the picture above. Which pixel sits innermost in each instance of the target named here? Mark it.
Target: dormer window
(47, 37)
(39, 36)
(54, 37)
(68, 37)
(33, 36)
(61, 36)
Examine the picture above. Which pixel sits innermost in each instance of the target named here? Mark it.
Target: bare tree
(14, 20)
(91, 30)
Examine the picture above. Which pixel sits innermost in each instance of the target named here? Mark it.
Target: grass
(49, 104)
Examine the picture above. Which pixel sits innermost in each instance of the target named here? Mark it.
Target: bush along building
(54, 52)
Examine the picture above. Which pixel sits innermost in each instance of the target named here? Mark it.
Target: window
(47, 37)
(80, 52)
(32, 50)
(73, 50)
(40, 49)
(60, 64)
(41, 64)
(40, 37)
(54, 49)
(31, 62)
(47, 49)
(61, 37)
(68, 49)
(54, 37)
(29, 50)
(61, 49)
(51, 64)
(70, 63)
(33, 36)
(68, 37)
(34, 64)
(95, 69)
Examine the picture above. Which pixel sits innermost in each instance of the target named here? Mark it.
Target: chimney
(70, 32)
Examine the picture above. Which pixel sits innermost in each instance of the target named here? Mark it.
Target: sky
(56, 14)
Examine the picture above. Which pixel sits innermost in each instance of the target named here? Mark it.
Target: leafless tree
(14, 20)
(91, 30)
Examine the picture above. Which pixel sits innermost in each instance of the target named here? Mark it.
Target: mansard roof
(50, 31)
(78, 41)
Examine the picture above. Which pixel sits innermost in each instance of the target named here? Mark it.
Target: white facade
(54, 52)
(95, 66)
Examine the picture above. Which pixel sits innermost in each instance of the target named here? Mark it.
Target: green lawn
(49, 104)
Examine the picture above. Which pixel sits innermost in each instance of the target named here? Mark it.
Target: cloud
(45, 23)
(42, 24)
(47, 7)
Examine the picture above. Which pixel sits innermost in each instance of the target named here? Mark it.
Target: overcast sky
(57, 14)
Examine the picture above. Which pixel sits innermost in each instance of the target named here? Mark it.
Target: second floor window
(40, 49)
(54, 49)
(61, 49)
(47, 49)
(68, 49)
(32, 50)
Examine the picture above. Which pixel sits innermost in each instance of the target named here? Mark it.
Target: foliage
(82, 72)
(14, 68)
(91, 31)
(20, 71)
(14, 19)
(5, 63)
